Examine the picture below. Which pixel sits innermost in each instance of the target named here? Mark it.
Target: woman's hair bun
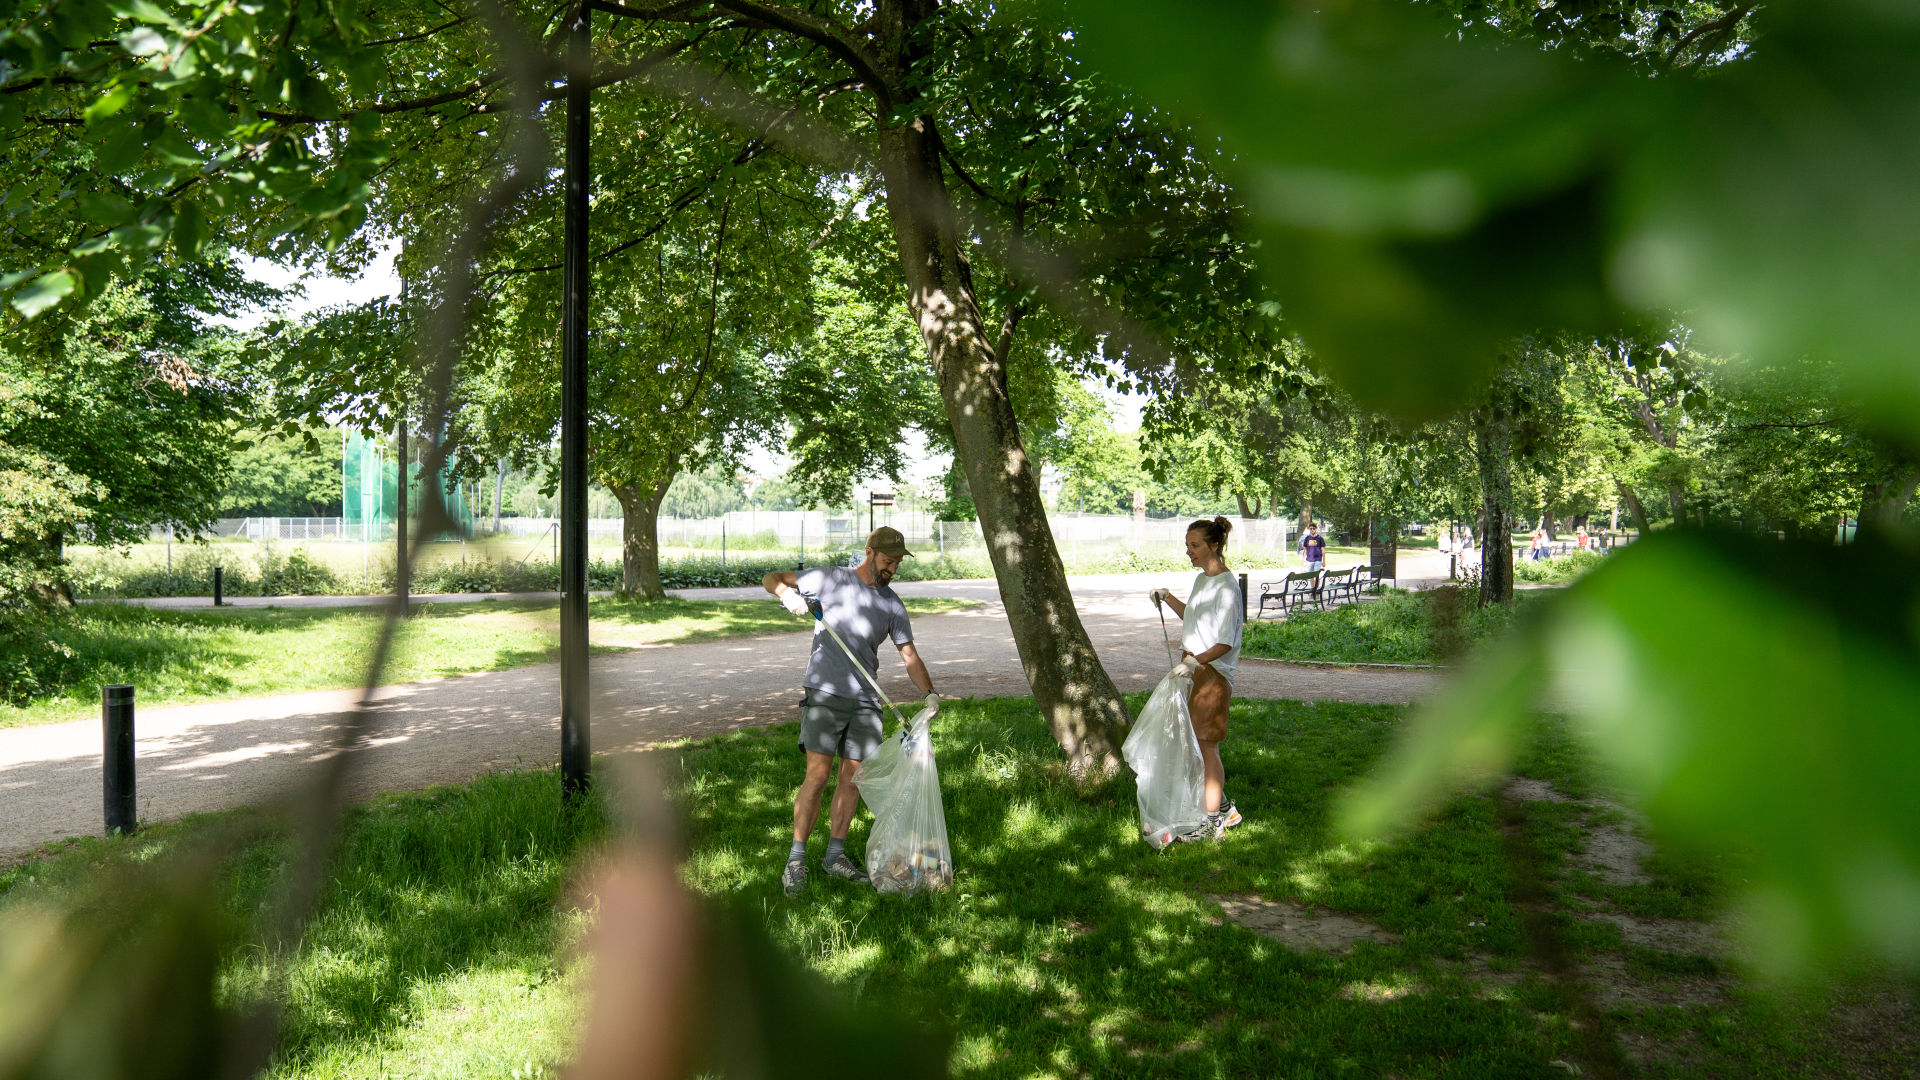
(1225, 525)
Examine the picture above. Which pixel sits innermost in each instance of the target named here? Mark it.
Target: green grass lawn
(1067, 947)
(177, 657)
(1397, 627)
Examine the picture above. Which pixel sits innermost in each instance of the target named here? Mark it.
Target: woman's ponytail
(1215, 532)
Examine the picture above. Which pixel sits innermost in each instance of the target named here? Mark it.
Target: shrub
(1560, 568)
(35, 660)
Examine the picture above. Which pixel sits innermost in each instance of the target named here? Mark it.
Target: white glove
(1160, 596)
(794, 602)
(932, 704)
(1186, 667)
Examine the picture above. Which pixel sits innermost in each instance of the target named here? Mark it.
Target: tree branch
(1723, 24)
(416, 37)
(713, 310)
(838, 40)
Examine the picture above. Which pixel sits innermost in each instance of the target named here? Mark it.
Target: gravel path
(207, 757)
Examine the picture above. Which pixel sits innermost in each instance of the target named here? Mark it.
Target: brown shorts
(1211, 692)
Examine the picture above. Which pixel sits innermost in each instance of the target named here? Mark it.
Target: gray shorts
(838, 726)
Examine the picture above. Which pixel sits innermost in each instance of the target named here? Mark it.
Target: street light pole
(575, 709)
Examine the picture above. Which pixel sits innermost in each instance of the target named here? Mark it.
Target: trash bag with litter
(1165, 758)
(907, 851)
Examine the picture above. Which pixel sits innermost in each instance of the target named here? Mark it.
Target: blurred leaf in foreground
(118, 983)
(1426, 188)
(1747, 695)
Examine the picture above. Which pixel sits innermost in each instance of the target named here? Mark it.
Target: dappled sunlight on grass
(1068, 946)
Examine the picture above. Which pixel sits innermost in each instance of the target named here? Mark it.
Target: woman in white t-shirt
(1210, 620)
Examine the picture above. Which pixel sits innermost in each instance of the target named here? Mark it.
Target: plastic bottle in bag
(1164, 755)
(907, 850)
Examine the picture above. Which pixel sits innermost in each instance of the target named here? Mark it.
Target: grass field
(1066, 947)
(177, 657)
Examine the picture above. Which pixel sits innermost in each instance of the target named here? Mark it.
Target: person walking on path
(1313, 548)
(1210, 623)
(839, 713)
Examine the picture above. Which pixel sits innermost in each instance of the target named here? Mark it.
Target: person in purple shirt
(1313, 548)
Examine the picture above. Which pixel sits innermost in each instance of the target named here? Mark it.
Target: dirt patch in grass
(1302, 928)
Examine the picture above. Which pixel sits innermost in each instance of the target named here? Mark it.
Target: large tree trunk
(1249, 511)
(1883, 503)
(1677, 501)
(1306, 511)
(1493, 449)
(1076, 695)
(1634, 508)
(640, 538)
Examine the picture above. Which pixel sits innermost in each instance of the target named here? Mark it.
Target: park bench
(1298, 587)
(1272, 594)
(1338, 583)
(1366, 579)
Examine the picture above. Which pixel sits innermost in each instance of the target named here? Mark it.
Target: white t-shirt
(1213, 618)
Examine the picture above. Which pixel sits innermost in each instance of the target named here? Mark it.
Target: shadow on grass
(1069, 946)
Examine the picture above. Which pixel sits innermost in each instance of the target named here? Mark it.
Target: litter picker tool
(1160, 606)
(819, 616)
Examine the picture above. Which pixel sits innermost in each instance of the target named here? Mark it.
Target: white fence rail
(811, 530)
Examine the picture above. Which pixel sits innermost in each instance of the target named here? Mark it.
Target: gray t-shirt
(864, 615)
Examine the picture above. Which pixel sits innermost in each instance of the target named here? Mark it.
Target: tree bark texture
(640, 538)
(1493, 450)
(1074, 692)
(1634, 508)
(1883, 503)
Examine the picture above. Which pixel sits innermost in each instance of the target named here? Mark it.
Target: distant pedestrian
(1313, 548)
(1581, 540)
(1538, 548)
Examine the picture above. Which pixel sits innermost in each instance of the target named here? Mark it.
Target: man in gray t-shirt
(840, 713)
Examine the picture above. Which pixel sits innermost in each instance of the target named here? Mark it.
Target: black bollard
(116, 719)
(1243, 598)
(216, 586)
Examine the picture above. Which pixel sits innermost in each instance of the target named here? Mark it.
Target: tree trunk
(403, 559)
(1493, 447)
(1883, 503)
(499, 482)
(1074, 692)
(1306, 512)
(640, 538)
(1634, 508)
(1250, 511)
(1677, 501)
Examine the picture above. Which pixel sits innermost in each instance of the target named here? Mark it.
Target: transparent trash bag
(907, 851)
(1164, 755)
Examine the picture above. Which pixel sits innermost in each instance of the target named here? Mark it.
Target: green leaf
(144, 41)
(43, 293)
(119, 149)
(115, 99)
(189, 230)
(174, 147)
(142, 10)
(1419, 200)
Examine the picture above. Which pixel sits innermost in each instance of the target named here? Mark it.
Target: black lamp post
(576, 718)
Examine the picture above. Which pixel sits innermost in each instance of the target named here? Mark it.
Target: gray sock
(798, 851)
(836, 845)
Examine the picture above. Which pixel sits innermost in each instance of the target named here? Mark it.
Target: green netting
(370, 496)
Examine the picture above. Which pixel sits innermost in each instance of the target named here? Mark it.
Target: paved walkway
(196, 758)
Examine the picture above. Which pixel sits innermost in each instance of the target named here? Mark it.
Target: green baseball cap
(887, 541)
